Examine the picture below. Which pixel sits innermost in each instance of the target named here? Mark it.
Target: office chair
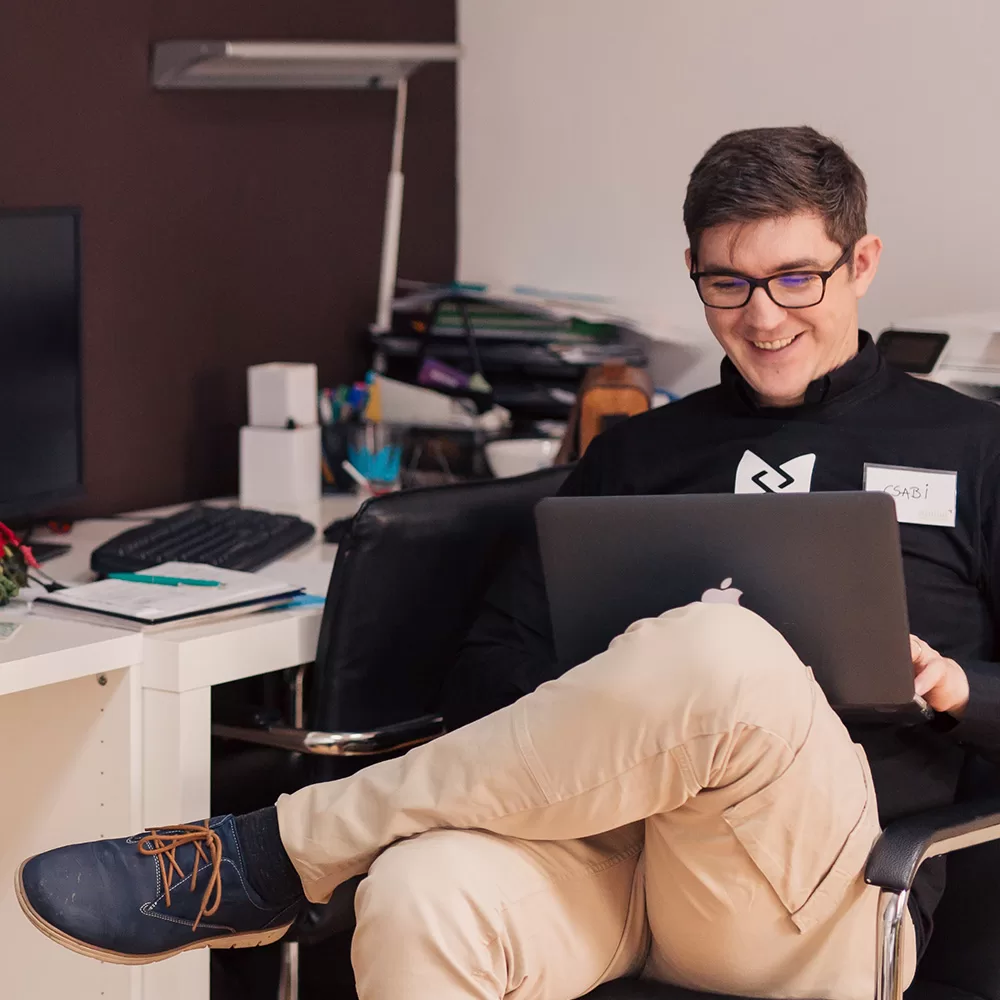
(408, 579)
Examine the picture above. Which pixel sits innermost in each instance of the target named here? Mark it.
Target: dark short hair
(765, 173)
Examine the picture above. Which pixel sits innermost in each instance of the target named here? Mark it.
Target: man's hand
(940, 681)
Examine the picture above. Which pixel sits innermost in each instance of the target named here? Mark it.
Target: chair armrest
(374, 741)
(907, 843)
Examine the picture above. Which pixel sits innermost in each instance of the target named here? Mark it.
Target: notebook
(145, 606)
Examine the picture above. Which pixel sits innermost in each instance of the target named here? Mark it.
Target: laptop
(824, 569)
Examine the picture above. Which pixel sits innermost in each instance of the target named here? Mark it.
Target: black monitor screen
(40, 434)
(915, 351)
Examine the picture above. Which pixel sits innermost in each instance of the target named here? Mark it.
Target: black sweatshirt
(863, 412)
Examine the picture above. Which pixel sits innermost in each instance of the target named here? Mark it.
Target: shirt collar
(861, 368)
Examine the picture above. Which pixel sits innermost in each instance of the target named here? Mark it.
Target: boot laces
(163, 844)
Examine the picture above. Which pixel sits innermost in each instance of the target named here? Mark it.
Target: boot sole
(252, 939)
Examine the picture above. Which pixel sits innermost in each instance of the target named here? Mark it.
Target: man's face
(780, 351)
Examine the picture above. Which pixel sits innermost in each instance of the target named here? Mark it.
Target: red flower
(6, 535)
(29, 557)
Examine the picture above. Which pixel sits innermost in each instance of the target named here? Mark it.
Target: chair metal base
(288, 984)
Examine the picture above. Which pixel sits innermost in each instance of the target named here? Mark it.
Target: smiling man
(686, 805)
(777, 346)
(791, 220)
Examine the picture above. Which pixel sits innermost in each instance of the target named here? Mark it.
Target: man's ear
(867, 252)
(687, 259)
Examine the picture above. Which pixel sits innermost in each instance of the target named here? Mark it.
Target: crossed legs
(686, 804)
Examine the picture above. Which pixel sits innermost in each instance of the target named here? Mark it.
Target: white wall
(580, 120)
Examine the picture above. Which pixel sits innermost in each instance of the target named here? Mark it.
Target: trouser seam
(681, 747)
(526, 749)
(683, 759)
(621, 937)
(592, 869)
(476, 822)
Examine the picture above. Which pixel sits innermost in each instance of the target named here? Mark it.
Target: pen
(356, 476)
(165, 581)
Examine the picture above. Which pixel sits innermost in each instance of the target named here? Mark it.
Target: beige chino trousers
(685, 805)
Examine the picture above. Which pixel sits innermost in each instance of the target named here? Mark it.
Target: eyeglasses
(790, 290)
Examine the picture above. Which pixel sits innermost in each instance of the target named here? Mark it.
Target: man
(685, 805)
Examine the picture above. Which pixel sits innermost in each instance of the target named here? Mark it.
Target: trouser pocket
(809, 832)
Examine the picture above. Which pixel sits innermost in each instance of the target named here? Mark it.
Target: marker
(163, 581)
(356, 476)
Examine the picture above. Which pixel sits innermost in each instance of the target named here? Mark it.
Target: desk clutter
(171, 594)
(522, 349)
(384, 433)
(497, 365)
(461, 369)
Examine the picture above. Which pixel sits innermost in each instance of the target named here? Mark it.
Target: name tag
(923, 496)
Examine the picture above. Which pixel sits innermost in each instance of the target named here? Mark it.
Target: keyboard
(227, 537)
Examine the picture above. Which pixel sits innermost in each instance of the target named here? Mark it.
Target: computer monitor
(41, 462)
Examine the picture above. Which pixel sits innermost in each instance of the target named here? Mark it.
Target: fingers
(940, 681)
(932, 673)
(921, 652)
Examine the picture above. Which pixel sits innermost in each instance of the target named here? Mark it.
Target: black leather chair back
(408, 580)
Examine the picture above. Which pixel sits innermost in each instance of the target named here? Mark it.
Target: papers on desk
(8, 630)
(147, 606)
(396, 402)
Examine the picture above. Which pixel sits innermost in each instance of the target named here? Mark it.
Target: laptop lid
(824, 569)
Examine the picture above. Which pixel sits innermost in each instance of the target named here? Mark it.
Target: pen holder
(336, 438)
(376, 451)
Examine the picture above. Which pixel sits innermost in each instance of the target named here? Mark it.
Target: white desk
(103, 732)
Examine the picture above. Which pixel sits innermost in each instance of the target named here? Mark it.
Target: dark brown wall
(219, 229)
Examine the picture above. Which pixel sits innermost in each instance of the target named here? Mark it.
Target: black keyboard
(227, 537)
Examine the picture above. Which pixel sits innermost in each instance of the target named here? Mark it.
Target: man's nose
(762, 312)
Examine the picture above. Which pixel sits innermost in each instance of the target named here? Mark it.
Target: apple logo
(725, 593)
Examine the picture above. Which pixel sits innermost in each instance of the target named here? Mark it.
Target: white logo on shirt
(754, 475)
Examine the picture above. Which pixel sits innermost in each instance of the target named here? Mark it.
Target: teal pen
(165, 581)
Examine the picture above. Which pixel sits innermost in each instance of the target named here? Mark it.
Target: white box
(280, 469)
(282, 394)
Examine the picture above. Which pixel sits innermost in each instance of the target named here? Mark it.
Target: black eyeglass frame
(754, 283)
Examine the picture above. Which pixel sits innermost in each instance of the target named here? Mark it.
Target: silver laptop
(823, 568)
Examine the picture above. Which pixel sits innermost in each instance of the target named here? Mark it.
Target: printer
(962, 351)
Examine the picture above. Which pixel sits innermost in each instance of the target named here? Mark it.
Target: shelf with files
(555, 359)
